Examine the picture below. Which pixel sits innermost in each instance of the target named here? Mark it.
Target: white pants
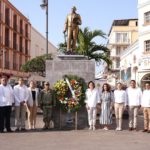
(92, 111)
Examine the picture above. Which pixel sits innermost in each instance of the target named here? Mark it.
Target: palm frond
(99, 48)
(100, 57)
(96, 33)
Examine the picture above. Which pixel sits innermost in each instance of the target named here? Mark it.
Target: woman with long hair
(32, 104)
(106, 106)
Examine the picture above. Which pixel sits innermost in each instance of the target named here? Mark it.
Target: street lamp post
(44, 5)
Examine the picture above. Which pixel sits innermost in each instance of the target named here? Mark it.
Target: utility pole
(44, 5)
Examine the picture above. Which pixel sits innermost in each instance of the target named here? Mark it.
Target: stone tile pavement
(82, 139)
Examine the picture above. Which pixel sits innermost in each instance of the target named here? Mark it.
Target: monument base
(72, 57)
(70, 65)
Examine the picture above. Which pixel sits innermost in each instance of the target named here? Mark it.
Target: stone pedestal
(70, 65)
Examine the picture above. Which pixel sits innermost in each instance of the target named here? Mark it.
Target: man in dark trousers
(6, 101)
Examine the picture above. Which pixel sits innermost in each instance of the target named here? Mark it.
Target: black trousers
(5, 113)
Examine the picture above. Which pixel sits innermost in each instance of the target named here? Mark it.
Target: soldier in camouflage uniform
(46, 103)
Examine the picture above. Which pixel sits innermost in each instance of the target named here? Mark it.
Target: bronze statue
(72, 23)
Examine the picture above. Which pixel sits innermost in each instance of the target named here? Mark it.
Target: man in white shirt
(92, 99)
(120, 100)
(6, 101)
(21, 94)
(146, 107)
(134, 96)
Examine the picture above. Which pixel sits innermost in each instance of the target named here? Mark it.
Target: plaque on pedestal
(70, 65)
(72, 57)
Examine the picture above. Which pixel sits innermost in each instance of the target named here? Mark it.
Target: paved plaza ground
(77, 140)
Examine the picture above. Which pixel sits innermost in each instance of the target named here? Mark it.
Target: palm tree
(86, 46)
(89, 48)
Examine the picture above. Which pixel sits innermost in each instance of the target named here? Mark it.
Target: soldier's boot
(48, 125)
(45, 126)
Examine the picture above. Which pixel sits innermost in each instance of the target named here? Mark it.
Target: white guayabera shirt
(134, 96)
(146, 98)
(6, 95)
(21, 94)
(120, 96)
(92, 97)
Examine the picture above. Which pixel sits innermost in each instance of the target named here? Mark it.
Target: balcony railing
(119, 42)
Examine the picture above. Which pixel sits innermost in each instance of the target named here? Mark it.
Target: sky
(95, 14)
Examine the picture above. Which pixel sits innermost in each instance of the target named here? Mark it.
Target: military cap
(46, 83)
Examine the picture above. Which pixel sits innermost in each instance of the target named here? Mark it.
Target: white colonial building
(135, 61)
(144, 40)
(38, 48)
(38, 45)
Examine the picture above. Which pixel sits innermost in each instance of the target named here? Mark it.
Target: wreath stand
(60, 119)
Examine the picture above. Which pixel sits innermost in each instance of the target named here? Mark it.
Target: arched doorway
(145, 79)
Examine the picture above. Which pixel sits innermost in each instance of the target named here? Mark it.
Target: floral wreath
(64, 96)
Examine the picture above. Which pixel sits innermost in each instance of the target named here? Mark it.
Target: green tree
(36, 65)
(91, 49)
(86, 46)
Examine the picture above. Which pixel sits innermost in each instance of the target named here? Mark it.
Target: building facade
(122, 34)
(38, 48)
(137, 56)
(144, 41)
(38, 45)
(15, 39)
(129, 62)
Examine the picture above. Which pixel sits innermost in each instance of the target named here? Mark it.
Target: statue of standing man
(72, 23)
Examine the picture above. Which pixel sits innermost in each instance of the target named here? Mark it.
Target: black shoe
(148, 131)
(135, 129)
(17, 130)
(130, 129)
(45, 129)
(2, 131)
(23, 130)
(10, 131)
(68, 52)
(145, 130)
